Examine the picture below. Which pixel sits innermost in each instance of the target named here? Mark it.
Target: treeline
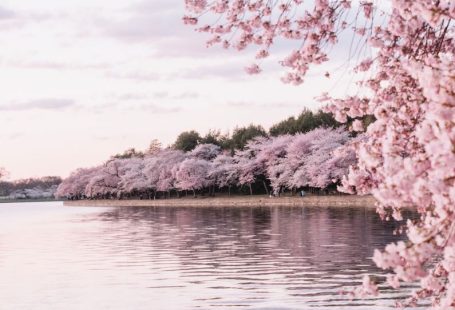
(316, 160)
(33, 188)
(188, 140)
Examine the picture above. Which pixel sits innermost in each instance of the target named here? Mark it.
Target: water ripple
(53, 257)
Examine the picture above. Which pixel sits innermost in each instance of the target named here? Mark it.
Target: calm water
(55, 257)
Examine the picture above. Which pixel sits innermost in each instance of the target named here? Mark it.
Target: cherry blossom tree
(342, 158)
(408, 158)
(249, 168)
(152, 172)
(154, 147)
(159, 170)
(106, 181)
(73, 187)
(319, 165)
(269, 158)
(258, 160)
(206, 151)
(224, 172)
(298, 152)
(167, 177)
(193, 174)
(132, 177)
(314, 159)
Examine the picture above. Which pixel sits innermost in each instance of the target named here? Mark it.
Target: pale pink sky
(85, 79)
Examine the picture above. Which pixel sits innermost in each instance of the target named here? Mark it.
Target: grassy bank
(249, 201)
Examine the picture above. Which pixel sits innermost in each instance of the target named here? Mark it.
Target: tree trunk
(194, 193)
(251, 189)
(229, 190)
(266, 189)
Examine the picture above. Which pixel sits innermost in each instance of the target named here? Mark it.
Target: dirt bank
(247, 201)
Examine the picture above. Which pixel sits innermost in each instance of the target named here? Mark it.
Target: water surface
(55, 257)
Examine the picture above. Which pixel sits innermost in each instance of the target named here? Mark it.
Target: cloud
(161, 94)
(12, 135)
(227, 70)
(158, 95)
(135, 76)
(157, 6)
(178, 96)
(101, 138)
(54, 65)
(145, 21)
(157, 109)
(99, 108)
(155, 23)
(268, 105)
(15, 135)
(6, 13)
(40, 104)
(186, 95)
(130, 97)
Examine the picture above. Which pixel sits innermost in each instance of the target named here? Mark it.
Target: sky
(85, 79)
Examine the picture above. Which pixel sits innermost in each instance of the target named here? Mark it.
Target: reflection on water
(54, 257)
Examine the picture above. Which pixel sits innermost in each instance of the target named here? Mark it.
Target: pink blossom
(196, 6)
(367, 8)
(357, 125)
(190, 20)
(253, 69)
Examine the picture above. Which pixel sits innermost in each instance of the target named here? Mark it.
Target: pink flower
(357, 125)
(253, 69)
(187, 20)
(196, 6)
(364, 65)
(367, 8)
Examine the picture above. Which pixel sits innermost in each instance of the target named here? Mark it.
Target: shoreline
(236, 201)
(24, 200)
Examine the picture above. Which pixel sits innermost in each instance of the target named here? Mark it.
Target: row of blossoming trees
(317, 159)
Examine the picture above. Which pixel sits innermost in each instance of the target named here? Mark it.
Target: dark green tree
(305, 121)
(212, 137)
(241, 135)
(187, 141)
(284, 127)
(129, 153)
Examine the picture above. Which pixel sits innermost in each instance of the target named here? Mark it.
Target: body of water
(55, 257)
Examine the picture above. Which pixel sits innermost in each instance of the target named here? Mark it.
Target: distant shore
(235, 201)
(5, 200)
